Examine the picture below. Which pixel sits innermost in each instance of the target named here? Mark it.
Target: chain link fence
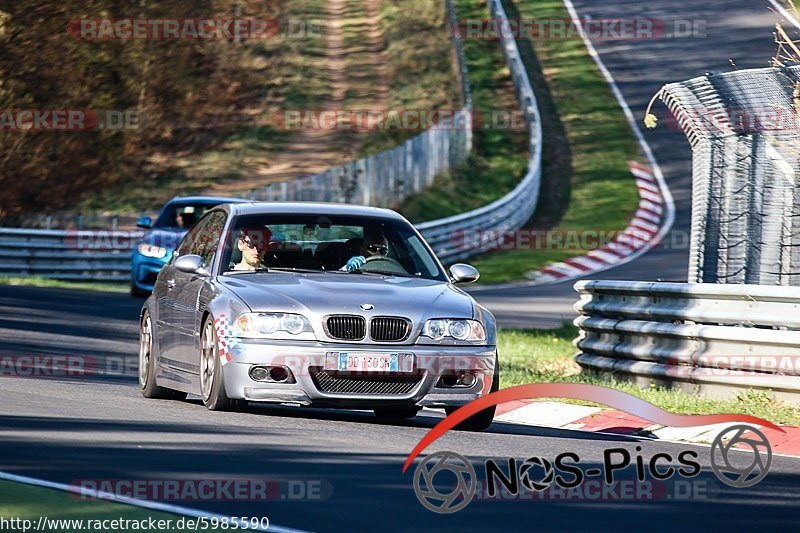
(744, 128)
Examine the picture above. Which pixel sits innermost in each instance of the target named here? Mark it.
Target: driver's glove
(355, 263)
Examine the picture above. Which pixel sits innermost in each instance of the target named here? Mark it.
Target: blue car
(155, 249)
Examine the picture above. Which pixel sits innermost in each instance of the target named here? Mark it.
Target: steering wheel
(384, 264)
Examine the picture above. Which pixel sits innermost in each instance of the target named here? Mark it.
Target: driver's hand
(355, 263)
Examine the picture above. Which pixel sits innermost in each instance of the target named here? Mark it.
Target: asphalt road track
(101, 428)
(739, 30)
(67, 429)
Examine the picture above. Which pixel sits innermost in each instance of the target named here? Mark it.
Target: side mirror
(191, 264)
(144, 222)
(463, 273)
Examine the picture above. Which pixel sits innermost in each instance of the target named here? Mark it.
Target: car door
(172, 309)
(191, 291)
(164, 293)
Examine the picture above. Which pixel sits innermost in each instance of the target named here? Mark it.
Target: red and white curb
(640, 235)
(611, 421)
(655, 200)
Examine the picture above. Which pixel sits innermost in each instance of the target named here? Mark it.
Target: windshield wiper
(254, 271)
(381, 273)
(296, 269)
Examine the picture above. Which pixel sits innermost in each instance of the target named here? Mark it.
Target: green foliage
(500, 157)
(192, 97)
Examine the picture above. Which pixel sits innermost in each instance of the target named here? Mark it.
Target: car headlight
(151, 250)
(458, 329)
(284, 326)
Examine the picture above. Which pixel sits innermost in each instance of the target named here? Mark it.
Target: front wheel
(212, 386)
(483, 419)
(147, 365)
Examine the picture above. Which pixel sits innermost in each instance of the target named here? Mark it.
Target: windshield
(354, 245)
(181, 215)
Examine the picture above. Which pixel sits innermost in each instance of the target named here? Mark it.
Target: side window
(186, 245)
(207, 237)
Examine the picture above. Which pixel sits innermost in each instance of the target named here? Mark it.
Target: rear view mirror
(144, 222)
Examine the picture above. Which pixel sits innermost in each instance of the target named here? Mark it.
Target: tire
(390, 414)
(147, 365)
(212, 385)
(482, 420)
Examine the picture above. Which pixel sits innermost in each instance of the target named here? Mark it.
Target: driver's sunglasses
(378, 249)
(249, 243)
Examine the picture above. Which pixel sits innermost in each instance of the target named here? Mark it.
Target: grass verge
(27, 502)
(500, 157)
(545, 356)
(58, 284)
(587, 145)
(417, 41)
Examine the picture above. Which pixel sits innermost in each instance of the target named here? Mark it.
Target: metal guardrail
(516, 208)
(711, 339)
(67, 254)
(508, 213)
(48, 253)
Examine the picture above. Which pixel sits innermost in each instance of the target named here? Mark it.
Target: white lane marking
(788, 15)
(656, 170)
(547, 414)
(702, 434)
(666, 195)
(154, 506)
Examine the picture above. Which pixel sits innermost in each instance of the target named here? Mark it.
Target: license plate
(369, 362)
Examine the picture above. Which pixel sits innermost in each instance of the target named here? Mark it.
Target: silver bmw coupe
(315, 304)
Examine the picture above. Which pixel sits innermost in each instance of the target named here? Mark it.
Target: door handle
(170, 283)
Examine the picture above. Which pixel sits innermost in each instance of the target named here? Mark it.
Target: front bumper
(145, 271)
(421, 387)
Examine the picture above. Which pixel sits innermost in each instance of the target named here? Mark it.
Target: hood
(317, 295)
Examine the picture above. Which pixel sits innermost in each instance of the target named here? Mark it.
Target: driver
(374, 246)
(186, 218)
(253, 244)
